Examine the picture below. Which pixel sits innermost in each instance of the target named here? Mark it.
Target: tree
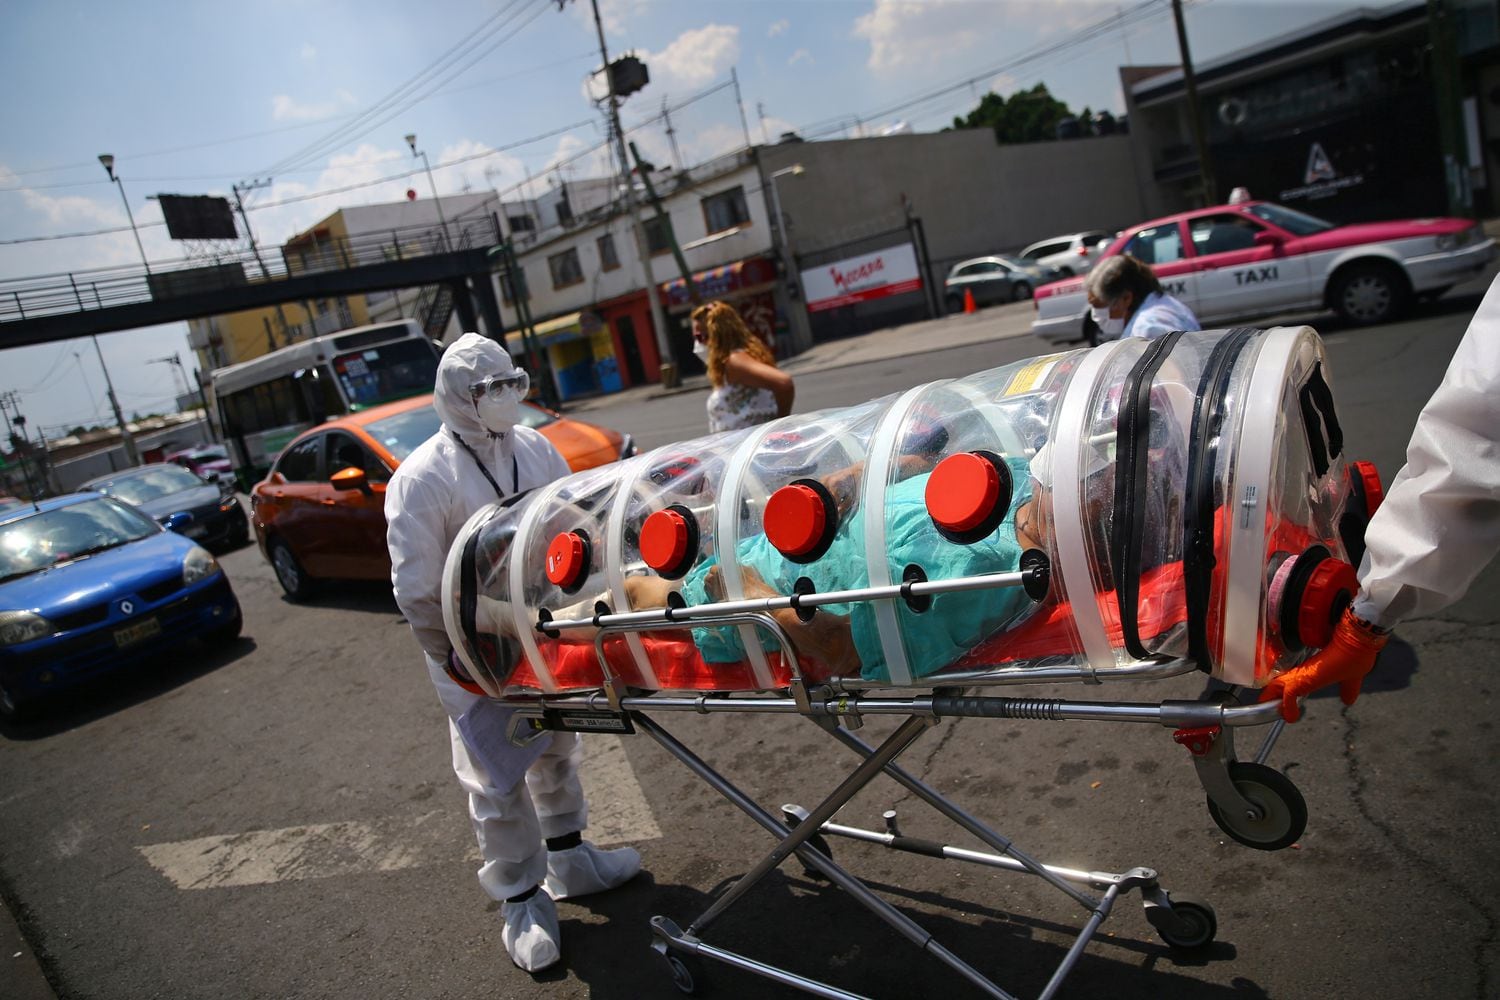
(1026, 116)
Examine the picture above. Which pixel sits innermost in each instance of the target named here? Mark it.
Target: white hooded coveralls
(433, 492)
(1440, 523)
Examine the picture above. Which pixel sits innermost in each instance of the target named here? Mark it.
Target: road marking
(618, 813)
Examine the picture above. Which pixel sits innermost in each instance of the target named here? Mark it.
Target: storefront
(749, 285)
(580, 350)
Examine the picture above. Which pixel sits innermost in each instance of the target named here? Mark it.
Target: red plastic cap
(567, 559)
(1367, 476)
(1329, 590)
(664, 541)
(962, 492)
(795, 520)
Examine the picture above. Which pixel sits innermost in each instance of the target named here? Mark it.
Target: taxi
(1261, 258)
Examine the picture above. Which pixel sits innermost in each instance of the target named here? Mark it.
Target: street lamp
(109, 168)
(411, 140)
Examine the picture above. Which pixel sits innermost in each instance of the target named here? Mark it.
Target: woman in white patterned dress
(748, 387)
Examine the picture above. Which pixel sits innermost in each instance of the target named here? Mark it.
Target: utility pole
(1205, 168)
(173, 359)
(663, 219)
(9, 398)
(131, 453)
(671, 137)
(739, 102)
(669, 372)
(240, 190)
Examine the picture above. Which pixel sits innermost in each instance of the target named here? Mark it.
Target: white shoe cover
(531, 934)
(581, 870)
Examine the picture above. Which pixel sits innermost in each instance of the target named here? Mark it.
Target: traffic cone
(969, 306)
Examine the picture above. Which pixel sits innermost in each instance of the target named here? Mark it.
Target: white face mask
(1109, 326)
(499, 412)
(700, 351)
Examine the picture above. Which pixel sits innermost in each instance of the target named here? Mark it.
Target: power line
(1144, 11)
(245, 136)
(365, 120)
(313, 195)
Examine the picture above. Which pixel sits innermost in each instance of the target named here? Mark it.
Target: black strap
(515, 469)
(1128, 523)
(1200, 502)
(1325, 437)
(468, 595)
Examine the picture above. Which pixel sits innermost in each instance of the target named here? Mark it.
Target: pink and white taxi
(1259, 258)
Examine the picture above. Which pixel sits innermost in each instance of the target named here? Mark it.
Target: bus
(265, 402)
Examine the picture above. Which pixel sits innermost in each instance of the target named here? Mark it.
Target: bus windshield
(390, 371)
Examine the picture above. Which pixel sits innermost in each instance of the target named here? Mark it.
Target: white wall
(684, 206)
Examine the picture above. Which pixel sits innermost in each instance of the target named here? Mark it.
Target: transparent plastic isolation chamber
(1180, 498)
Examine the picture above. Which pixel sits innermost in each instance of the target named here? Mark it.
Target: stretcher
(1129, 513)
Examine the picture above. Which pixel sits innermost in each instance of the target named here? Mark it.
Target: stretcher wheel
(1188, 925)
(686, 973)
(1283, 811)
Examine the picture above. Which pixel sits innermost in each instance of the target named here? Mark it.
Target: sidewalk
(958, 330)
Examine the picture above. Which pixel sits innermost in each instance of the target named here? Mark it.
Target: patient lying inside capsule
(1108, 468)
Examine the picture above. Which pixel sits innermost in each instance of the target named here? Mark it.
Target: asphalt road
(279, 820)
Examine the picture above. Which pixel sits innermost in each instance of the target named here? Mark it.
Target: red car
(320, 512)
(1260, 258)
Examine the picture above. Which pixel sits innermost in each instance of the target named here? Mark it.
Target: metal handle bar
(988, 581)
(1171, 714)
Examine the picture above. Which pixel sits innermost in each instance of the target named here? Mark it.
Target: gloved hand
(1346, 659)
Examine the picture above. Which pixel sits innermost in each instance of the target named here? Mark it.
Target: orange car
(312, 525)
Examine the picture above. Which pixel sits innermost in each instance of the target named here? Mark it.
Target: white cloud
(778, 27)
(1005, 84)
(698, 55)
(903, 34)
(287, 108)
(309, 51)
(772, 127)
(800, 56)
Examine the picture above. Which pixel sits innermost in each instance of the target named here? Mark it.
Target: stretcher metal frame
(1205, 727)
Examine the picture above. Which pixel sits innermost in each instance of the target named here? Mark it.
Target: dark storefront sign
(718, 282)
(1352, 137)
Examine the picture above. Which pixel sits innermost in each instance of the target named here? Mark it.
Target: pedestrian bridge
(56, 307)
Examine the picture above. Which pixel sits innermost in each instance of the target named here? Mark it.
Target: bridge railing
(105, 287)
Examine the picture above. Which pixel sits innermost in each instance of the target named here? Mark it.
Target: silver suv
(1070, 255)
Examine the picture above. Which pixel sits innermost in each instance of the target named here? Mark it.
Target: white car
(1073, 254)
(1260, 258)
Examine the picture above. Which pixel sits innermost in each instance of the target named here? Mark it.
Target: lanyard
(515, 469)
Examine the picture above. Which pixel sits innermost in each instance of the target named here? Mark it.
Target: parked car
(320, 512)
(89, 585)
(1071, 254)
(1258, 258)
(209, 461)
(181, 501)
(994, 279)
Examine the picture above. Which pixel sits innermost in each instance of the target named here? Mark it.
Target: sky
(307, 96)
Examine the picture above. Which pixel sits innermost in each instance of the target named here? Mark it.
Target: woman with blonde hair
(748, 387)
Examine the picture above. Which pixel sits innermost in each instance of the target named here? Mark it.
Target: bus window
(391, 371)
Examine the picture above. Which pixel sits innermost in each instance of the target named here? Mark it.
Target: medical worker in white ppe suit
(527, 805)
(1438, 527)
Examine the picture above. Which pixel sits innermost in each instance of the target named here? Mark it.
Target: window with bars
(608, 258)
(565, 268)
(725, 210)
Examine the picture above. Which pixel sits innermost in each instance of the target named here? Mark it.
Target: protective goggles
(516, 381)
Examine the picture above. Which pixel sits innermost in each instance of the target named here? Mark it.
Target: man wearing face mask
(526, 804)
(1126, 300)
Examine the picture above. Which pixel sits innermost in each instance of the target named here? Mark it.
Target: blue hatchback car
(90, 585)
(205, 512)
